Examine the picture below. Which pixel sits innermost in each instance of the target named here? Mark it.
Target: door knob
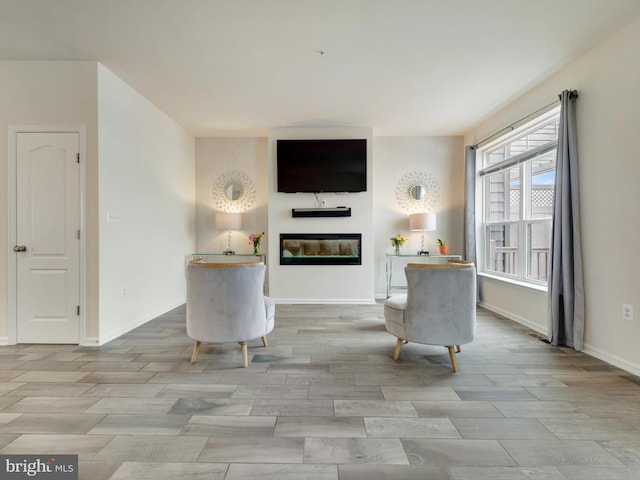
(20, 248)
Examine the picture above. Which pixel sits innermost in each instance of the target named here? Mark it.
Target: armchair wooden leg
(194, 354)
(458, 348)
(245, 360)
(452, 356)
(264, 342)
(396, 352)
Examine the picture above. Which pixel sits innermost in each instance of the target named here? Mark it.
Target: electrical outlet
(124, 291)
(627, 311)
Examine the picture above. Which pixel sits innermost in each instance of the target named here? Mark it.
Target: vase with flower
(254, 241)
(397, 242)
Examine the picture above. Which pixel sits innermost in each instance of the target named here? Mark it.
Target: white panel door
(47, 242)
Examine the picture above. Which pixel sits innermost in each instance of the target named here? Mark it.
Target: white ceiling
(240, 67)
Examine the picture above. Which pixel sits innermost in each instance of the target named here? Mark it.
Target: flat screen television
(338, 165)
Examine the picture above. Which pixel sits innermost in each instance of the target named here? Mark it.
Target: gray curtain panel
(566, 286)
(469, 250)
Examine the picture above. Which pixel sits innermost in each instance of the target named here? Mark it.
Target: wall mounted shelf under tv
(321, 212)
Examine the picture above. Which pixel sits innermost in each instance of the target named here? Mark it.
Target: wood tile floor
(323, 401)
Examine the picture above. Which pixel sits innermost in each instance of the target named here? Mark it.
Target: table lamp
(423, 222)
(228, 222)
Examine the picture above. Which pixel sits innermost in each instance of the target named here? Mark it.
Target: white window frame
(524, 162)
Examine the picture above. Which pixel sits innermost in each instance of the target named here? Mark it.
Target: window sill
(514, 282)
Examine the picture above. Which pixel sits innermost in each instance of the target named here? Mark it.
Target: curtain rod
(517, 123)
(573, 94)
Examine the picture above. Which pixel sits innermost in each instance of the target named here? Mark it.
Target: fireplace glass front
(320, 249)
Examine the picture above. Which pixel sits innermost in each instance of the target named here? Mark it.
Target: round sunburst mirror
(233, 192)
(417, 192)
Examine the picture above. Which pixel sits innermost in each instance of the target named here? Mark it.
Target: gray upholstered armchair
(439, 307)
(225, 303)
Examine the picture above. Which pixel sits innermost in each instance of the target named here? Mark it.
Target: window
(517, 180)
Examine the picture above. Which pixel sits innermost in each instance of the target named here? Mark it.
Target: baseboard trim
(516, 318)
(612, 360)
(588, 349)
(136, 323)
(4, 341)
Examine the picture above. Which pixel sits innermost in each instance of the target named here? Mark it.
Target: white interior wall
(147, 187)
(214, 157)
(321, 283)
(51, 93)
(608, 117)
(393, 157)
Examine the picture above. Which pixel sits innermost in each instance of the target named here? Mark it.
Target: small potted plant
(444, 248)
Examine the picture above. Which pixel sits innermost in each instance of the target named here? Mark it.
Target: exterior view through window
(517, 177)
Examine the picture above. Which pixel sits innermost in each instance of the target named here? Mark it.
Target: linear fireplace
(320, 249)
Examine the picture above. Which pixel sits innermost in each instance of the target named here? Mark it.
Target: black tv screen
(322, 165)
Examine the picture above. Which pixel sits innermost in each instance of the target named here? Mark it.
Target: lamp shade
(422, 221)
(228, 221)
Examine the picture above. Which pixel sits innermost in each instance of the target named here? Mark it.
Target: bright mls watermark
(50, 467)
